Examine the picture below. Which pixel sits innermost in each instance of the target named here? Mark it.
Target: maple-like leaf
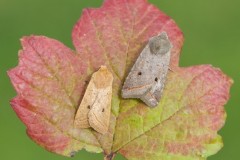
(51, 80)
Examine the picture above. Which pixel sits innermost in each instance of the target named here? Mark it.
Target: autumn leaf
(51, 79)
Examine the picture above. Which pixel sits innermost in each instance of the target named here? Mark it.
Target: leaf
(185, 124)
(51, 79)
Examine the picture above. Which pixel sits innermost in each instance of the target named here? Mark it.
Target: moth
(95, 108)
(147, 77)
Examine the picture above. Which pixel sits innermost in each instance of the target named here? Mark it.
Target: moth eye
(156, 79)
(103, 110)
(89, 107)
(139, 73)
(86, 82)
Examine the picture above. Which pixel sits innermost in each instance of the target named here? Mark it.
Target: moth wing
(153, 95)
(161, 47)
(138, 81)
(81, 118)
(99, 115)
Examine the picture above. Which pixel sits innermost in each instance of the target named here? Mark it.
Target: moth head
(160, 44)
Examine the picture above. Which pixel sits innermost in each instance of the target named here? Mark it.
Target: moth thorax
(160, 44)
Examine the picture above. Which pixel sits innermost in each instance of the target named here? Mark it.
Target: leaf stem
(110, 156)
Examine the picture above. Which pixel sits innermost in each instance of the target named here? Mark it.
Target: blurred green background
(212, 36)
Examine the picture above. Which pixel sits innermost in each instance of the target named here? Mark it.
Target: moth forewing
(95, 108)
(81, 118)
(148, 75)
(99, 115)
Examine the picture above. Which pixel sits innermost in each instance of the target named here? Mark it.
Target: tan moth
(95, 108)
